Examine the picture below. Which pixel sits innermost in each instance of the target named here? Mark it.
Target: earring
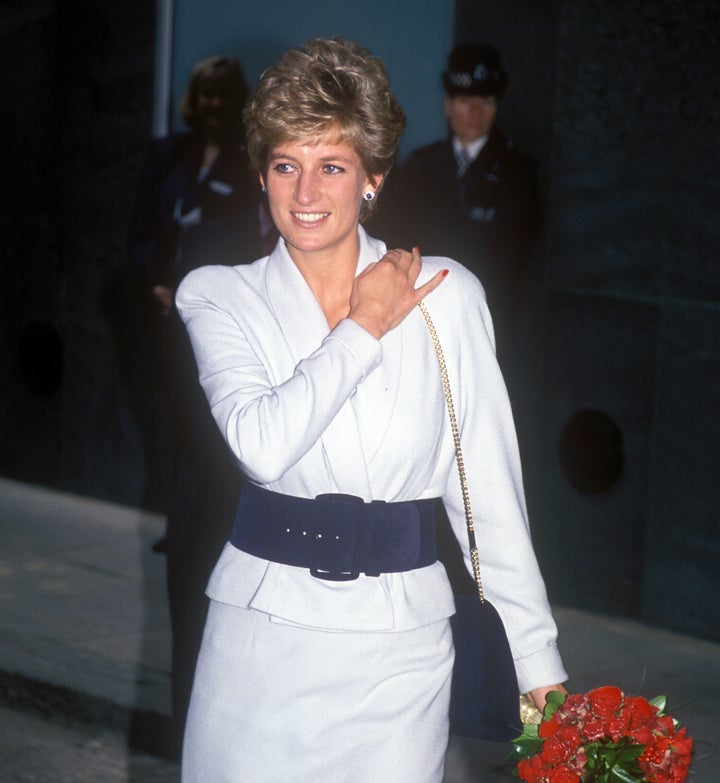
(263, 189)
(369, 195)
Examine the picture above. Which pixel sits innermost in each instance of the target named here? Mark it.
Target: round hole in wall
(40, 357)
(591, 451)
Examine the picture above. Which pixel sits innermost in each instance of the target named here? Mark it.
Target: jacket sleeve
(509, 570)
(270, 411)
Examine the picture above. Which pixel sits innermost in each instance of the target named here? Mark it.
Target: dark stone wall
(31, 287)
(632, 307)
(76, 121)
(623, 332)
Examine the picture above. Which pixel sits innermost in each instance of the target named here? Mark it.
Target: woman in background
(327, 653)
(194, 176)
(197, 203)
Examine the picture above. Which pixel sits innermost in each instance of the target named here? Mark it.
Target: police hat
(475, 69)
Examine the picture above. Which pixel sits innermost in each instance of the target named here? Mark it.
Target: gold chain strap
(474, 557)
(529, 713)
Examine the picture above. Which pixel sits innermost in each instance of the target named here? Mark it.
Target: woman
(197, 195)
(327, 653)
(194, 176)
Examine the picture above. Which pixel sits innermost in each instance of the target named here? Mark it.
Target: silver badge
(480, 74)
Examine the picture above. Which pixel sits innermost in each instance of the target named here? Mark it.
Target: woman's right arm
(270, 409)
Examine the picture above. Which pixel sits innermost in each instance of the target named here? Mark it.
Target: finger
(415, 264)
(392, 256)
(367, 269)
(431, 284)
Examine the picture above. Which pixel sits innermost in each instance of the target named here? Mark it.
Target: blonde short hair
(327, 84)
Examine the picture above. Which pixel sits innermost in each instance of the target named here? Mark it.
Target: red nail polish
(445, 272)
(416, 249)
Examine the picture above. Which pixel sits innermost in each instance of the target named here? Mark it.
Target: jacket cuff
(362, 346)
(540, 670)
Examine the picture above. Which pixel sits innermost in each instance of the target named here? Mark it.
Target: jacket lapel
(304, 327)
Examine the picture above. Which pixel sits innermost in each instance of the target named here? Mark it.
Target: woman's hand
(539, 695)
(384, 293)
(164, 296)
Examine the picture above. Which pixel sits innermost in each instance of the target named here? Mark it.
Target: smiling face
(471, 116)
(315, 191)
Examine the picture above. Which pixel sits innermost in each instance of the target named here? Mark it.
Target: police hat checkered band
(459, 79)
(481, 75)
(474, 69)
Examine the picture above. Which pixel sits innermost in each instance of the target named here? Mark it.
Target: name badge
(481, 215)
(220, 187)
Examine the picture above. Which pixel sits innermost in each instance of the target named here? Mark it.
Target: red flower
(530, 770)
(654, 753)
(548, 727)
(569, 735)
(606, 702)
(617, 727)
(640, 711)
(682, 743)
(563, 775)
(593, 729)
(603, 724)
(555, 751)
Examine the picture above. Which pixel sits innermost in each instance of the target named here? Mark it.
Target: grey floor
(83, 609)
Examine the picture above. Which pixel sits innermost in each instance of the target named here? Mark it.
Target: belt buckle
(328, 541)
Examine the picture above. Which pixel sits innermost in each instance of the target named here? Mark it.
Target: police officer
(472, 196)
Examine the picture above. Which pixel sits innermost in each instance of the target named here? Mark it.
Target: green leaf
(660, 702)
(527, 742)
(630, 753)
(553, 701)
(525, 747)
(618, 773)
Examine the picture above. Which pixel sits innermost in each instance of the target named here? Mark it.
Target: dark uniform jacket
(170, 199)
(488, 220)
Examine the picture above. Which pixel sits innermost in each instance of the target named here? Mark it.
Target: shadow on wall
(591, 452)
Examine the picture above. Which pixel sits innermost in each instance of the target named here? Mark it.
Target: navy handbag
(484, 700)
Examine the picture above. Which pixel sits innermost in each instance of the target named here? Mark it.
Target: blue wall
(411, 38)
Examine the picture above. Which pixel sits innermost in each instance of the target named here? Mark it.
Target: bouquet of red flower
(603, 736)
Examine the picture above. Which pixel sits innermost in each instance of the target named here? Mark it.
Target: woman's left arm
(509, 569)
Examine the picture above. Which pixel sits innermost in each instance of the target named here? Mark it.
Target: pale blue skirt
(278, 702)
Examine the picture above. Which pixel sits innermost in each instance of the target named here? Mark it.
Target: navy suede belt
(337, 537)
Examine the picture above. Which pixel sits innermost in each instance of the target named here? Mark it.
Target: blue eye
(331, 168)
(283, 168)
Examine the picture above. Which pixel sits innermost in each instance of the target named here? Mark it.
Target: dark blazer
(169, 189)
(163, 246)
(488, 220)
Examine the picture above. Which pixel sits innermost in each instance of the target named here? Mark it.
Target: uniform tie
(463, 160)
